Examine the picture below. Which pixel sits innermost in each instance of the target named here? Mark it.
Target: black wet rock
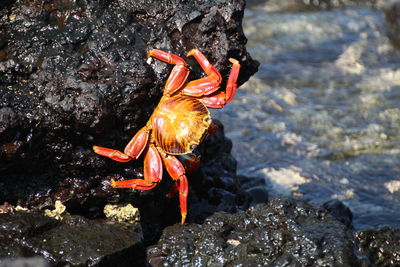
(285, 232)
(75, 241)
(381, 247)
(340, 211)
(392, 14)
(74, 74)
(255, 188)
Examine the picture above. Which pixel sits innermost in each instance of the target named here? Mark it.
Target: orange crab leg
(111, 153)
(220, 99)
(132, 151)
(206, 85)
(178, 74)
(138, 143)
(177, 172)
(207, 67)
(203, 86)
(153, 171)
(166, 57)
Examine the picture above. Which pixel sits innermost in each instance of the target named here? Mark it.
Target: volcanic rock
(381, 247)
(75, 241)
(285, 232)
(74, 74)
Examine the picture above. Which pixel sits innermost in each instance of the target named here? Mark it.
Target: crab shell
(179, 124)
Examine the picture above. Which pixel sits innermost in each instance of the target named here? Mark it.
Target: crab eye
(193, 147)
(208, 119)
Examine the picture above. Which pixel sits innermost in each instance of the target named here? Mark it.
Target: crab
(177, 126)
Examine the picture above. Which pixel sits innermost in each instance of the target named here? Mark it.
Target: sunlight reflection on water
(324, 107)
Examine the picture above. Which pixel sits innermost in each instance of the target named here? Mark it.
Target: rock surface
(75, 241)
(382, 247)
(285, 232)
(74, 74)
(341, 212)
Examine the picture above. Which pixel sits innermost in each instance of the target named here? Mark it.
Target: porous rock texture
(76, 241)
(74, 74)
(285, 232)
(381, 247)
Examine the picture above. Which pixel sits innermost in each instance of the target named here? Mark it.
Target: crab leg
(138, 143)
(152, 172)
(220, 99)
(207, 67)
(206, 85)
(111, 153)
(178, 74)
(202, 86)
(177, 172)
(132, 151)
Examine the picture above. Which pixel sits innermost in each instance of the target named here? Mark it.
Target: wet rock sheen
(74, 74)
(77, 241)
(285, 232)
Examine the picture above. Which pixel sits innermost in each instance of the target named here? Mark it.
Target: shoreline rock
(74, 74)
(284, 232)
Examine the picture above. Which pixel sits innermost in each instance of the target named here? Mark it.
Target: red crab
(177, 125)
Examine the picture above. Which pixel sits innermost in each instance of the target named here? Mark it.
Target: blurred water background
(321, 118)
